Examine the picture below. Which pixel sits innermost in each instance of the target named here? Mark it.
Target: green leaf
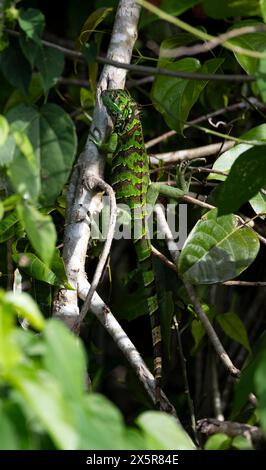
(258, 204)
(241, 443)
(34, 94)
(173, 436)
(58, 267)
(198, 332)
(65, 359)
(11, 61)
(4, 129)
(99, 423)
(24, 305)
(229, 8)
(23, 171)
(7, 151)
(218, 441)
(233, 327)
(261, 78)
(217, 249)
(174, 97)
(8, 227)
(247, 176)
(8, 435)
(40, 230)
(43, 396)
(253, 41)
(51, 132)
(32, 22)
(50, 63)
(10, 354)
(226, 160)
(34, 267)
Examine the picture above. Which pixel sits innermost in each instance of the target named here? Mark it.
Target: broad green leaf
(8, 226)
(241, 443)
(34, 267)
(4, 129)
(226, 160)
(11, 61)
(228, 8)
(51, 132)
(247, 176)
(10, 354)
(65, 359)
(8, 435)
(40, 230)
(99, 423)
(173, 436)
(2, 210)
(32, 22)
(23, 304)
(34, 94)
(253, 41)
(218, 442)
(233, 327)
(217, 249)
(44, 397)
(174, 97)
(23, 171)
(7, 151)
(50, 63)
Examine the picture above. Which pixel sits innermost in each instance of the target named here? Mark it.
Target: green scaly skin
(130, 180)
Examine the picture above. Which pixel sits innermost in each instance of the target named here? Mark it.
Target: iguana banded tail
(130, 181)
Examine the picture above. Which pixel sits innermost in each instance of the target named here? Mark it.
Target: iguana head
(120, 107)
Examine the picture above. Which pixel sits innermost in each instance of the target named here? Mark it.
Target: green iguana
(130, 181)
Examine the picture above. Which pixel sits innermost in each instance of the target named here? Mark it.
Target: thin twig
(111, 325)
(147, 70)
(216, 343)
(233, 107)
(210, 426)
(245, 283)
(163, 258)
(199, 33)
(185, 378)
(214, 42)
(197, 202)
(191, 154)
(91, 182)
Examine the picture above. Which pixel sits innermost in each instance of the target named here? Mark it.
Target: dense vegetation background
(47, 98)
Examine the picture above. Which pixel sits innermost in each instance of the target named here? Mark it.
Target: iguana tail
(144, 256)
